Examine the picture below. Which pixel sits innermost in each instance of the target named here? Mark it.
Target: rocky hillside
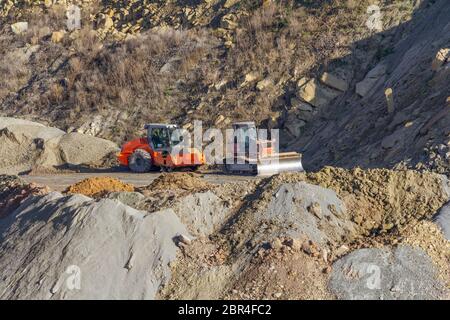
(315, 69)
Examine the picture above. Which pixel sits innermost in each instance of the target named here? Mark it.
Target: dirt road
(59, 182)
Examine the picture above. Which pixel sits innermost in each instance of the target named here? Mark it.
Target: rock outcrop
(26, 144)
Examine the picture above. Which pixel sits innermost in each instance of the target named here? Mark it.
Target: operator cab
(162, 136)
(245, 132)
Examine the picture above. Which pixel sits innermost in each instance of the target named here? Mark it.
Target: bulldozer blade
(282, 163)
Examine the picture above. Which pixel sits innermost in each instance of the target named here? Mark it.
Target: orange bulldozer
(155, 151)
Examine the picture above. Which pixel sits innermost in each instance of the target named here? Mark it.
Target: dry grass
(284, 42)
(84, 76)
(14, 73)
(125, 77)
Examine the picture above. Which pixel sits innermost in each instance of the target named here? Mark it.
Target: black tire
(140, 161)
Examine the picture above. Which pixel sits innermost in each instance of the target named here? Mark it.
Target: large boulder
(441, 57)
(30, 131)
(377, 74)
(25, 144)
(57, 36)
(6, 121)
(77, 148)
(57, 247)
(19, 27)
(334, 82)
(386, 274)
(315, 94)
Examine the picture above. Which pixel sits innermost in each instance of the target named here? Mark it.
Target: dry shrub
(86, 42)
(56, 93)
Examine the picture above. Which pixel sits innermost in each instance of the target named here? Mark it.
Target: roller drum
(268, 167)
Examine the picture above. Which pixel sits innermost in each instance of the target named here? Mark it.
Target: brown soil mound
(99, 185)
(378, 200)
(13, 191)
(180, 180)
(381, 199)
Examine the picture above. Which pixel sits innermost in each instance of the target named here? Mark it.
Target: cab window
(160, 138)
